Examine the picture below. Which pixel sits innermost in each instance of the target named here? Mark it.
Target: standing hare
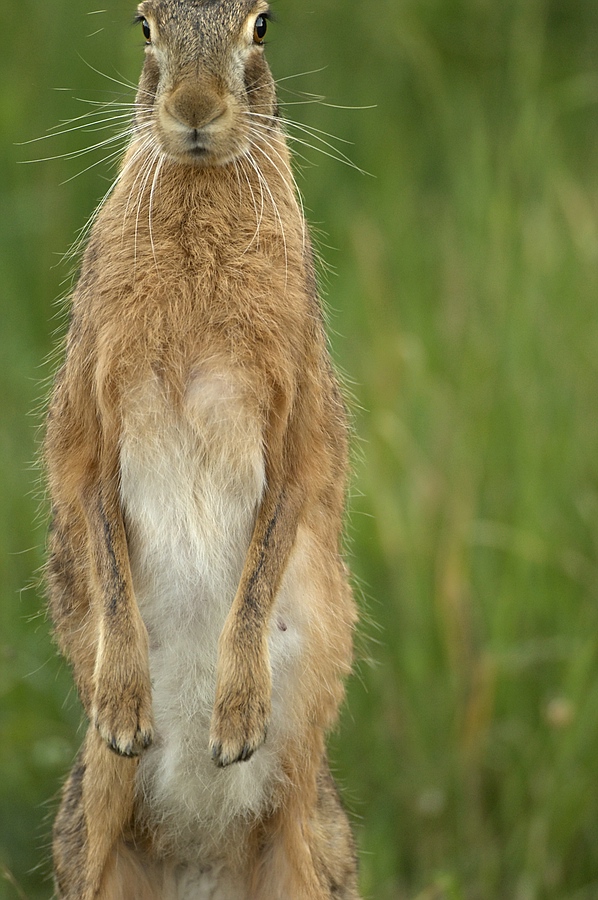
(197, 454)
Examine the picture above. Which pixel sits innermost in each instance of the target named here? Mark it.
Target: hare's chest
(192, 475)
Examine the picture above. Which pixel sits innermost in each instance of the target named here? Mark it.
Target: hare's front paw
(122, 713)
(241, 712)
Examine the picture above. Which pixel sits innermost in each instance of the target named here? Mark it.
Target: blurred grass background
(463, 309)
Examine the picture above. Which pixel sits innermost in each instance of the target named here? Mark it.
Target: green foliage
(463, 310)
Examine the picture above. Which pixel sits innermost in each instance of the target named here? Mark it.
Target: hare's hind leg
(97, 805)
(131, 876)
(332, 845)
(309, 852)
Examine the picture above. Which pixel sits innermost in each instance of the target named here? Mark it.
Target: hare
(196, 450)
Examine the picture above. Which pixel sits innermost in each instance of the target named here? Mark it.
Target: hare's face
(204, 76)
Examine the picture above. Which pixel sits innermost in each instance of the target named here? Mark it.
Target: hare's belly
(191, 483)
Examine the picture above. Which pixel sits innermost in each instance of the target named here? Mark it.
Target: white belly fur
(191, 483)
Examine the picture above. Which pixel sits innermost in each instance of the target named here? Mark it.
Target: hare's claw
(124, 721)
(123, 746)
(237, 731)
(225, 757)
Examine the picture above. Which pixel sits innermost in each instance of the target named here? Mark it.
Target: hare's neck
(252, 196)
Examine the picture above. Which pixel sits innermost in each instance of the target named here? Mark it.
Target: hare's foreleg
(244, 680)
(244, 686)
(97, 622)
(121, 707)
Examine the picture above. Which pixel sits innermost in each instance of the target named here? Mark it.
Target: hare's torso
(191, 481)
(197, 342)
(192, 475)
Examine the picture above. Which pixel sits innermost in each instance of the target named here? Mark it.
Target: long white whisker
(293, 186)
(124, 104)
(258, 217)
(236, 166)
(161, 158)
(311, 98)
(314, 100)
(77, 245)
(114, 155)
(337, 155)
(146, 145)
(312, 133)
(126, 84)
(153, 161)
(328, 105)
(265, 131)
(301, 74)
(301, 125)
(99, 162)
(75, 154)
(263, 181)
(84, 231)
(112, 104)
(89, 126)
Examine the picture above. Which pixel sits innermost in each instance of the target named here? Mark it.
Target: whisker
(99, 162)
(337, 155)
(329, 105)
(317, 98)
(85, 230)
(89, 126)
(161, 158)
(153, 161)
(146, 145)
(293, 186)
(236, 167)
(75, 154)
(123, 103)
(312, 133)
(301, 125)
(308, 131)
(263, 181)
(126, 84)
(301, 74)
(258, 218)
(296, 154)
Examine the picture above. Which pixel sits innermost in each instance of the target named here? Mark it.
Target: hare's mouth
(202, 146)
(198, 150)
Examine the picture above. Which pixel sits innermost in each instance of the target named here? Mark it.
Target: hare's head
(204, 77)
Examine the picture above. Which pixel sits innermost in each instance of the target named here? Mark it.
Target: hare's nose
(193, 109)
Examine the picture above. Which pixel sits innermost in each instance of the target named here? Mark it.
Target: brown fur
(198, 269)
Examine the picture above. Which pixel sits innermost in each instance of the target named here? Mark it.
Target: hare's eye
(260, 29)
(147, 33)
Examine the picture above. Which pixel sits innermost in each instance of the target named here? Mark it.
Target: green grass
(463, 310)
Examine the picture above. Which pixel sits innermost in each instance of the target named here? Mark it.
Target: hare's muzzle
(198, 124)
(194, 109)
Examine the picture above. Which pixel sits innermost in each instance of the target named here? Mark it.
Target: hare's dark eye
(259, 30)
(147, 32)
